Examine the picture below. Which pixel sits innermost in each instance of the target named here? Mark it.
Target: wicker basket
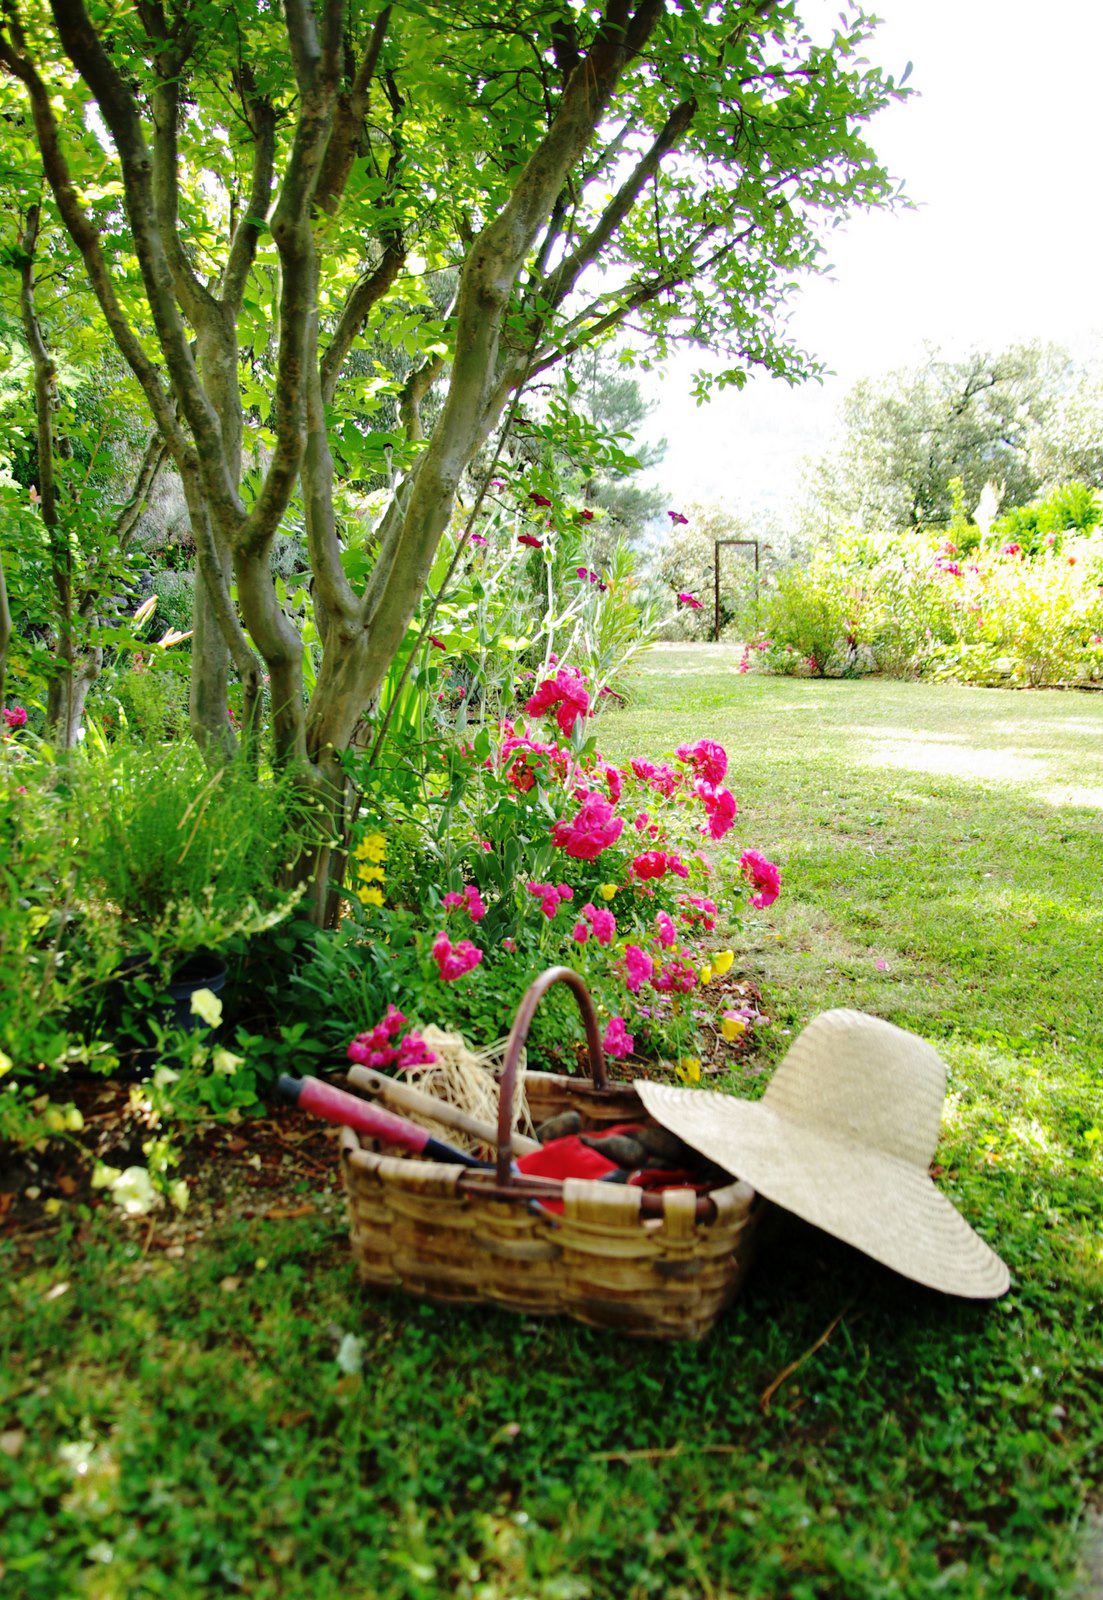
(659, 1266)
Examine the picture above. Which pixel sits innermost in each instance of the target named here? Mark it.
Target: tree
(289, 183)
(907, 434)
(609, 394)
(1070, 445)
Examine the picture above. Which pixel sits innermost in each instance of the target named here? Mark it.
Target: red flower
(676, 517)
(538, 499)
(433, 640)
(454, 960)
(530, 539)
(585, 516)
(708, 759)
(719, 805)
(687, 599)
(617, 1041)
(656, 863)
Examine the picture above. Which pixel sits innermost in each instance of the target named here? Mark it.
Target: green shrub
(1073, 508)
(809, 617)
(923, 606)
(475, 846)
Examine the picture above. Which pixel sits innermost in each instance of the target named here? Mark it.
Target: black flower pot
(172, 1009)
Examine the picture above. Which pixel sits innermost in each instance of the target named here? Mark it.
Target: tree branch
(348, 120)
(414, 390)
(336, 594)
(165, 100)
(362, 297)
(316, 66)
(86, 50)
(243, 248)
(85, 235)
(568, 274)
(487, 281)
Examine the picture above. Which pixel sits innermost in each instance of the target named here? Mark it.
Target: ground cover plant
(185, 1408)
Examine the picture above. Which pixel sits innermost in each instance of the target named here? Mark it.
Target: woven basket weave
(660, 1266)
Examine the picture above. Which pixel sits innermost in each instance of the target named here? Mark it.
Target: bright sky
(1000, 149)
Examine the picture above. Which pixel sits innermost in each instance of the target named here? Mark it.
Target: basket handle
(519, 1033)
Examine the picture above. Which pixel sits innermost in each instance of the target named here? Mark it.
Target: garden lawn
(182, 1426)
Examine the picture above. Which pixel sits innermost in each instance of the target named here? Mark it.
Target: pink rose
(763, 875)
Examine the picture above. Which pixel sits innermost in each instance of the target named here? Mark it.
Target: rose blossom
(617, 1041)
(763, 875)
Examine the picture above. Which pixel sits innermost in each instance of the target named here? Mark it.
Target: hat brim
(883, 1206)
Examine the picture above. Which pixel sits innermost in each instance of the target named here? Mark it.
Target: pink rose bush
(555, 854)
(590, 831)
(566, 695)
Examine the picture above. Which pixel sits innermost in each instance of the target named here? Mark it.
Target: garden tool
(335, 1105)
(324, 1100)
(405, 1096)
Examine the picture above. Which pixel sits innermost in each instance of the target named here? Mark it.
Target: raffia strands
(468, 1080)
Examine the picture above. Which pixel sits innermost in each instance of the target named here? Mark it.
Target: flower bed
(529, 849)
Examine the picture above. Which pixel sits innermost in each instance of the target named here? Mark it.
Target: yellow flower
(689, 1069)
(371, 872)
(705, 973)
(372, 847)
(721, 962)
(607, 890)
(732, 1026)
(369, 897)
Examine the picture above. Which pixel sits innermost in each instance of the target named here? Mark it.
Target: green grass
(929, 1447)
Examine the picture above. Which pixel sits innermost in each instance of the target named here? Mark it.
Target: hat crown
(864, 1080)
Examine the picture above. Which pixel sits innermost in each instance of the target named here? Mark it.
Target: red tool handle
(325, 1100)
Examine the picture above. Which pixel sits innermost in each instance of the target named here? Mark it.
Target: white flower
(133, 1192)
(208, 1006)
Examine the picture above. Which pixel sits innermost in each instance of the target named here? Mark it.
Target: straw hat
(843, 1137)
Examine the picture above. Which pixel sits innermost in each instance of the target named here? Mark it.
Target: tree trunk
(66, 698)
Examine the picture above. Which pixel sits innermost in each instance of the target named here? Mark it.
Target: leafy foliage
(468, 203)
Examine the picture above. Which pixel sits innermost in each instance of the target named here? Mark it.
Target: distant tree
(908, 434)
(610, 394)
(1069, 447)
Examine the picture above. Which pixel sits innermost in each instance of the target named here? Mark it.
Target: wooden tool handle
(418, 1103)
